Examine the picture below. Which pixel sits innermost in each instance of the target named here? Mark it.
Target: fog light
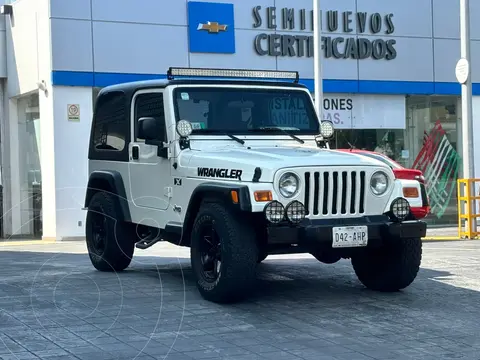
(274, 211)
(400, 208)
(295, 212)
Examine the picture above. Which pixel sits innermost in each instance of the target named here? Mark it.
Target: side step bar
(149, 240)
(145, 244)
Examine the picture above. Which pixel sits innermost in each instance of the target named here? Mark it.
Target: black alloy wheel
(210, 252)
(99, 233)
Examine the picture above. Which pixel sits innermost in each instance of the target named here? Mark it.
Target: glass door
(29, 166)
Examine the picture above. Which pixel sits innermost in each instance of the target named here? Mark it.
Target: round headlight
(184, 128)
(326, 129)
(379, 183)
(288, 185)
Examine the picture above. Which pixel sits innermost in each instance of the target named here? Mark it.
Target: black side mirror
(152, 130)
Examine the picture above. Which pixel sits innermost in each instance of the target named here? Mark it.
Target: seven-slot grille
(335, 192)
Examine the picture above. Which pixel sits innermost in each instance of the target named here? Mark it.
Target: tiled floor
(54, 305)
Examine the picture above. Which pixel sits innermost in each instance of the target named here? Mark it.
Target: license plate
(350, 236)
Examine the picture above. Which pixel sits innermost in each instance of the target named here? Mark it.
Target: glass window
(389, 142)
(435, 147)
(219, 110)
(110, 122)
(149, 105)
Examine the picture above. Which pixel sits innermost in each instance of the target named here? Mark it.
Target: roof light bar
(232, 73)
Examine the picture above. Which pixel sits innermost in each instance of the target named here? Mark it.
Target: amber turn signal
(263, 195)
(234, 195)
(410, 192)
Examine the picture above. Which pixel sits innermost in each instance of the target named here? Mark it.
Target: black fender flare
(109, 181)
(212, 189)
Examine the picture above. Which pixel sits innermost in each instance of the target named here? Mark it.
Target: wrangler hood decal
(236, 163)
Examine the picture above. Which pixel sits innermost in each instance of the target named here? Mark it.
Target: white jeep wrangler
(237, 170)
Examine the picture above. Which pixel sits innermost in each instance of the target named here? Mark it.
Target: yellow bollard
(465, 199)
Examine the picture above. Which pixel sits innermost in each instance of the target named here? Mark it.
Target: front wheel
(223, 254)
(392, 267)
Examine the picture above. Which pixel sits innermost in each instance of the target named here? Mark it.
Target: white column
(48, 139)
(467, 120)
(71, 159)
(48, 164)
(317, 57)
(468, 170)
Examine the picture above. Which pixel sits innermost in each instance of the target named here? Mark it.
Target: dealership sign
(348, 46)
(357, 111)
(365, 111)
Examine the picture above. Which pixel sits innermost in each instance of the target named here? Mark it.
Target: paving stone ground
(54, 305)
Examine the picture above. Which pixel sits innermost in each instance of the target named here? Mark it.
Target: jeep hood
(269, 159)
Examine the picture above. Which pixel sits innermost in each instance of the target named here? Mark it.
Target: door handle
(135, 151)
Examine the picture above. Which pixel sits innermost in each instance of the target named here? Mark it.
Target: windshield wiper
(233, 137)
(275, 128)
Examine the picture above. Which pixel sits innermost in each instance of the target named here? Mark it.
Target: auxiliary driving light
(274, 211)
(327, 129)
(400, 208)
(295, 212)
(184, 128)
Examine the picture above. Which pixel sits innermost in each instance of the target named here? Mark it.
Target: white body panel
(156, 200)
(150, 177)
(269, 154)
(398, 191)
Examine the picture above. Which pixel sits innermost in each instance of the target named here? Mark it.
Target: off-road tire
(119, 245)
(390, 268)
(239, 254)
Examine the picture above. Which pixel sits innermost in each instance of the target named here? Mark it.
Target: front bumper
(319, 233)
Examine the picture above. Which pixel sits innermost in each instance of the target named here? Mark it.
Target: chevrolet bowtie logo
(212, 27)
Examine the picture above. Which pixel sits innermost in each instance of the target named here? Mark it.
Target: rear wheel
(390, 268)
(110, 241)
(223, 254)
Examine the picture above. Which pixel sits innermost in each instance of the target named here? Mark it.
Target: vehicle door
(150, 177)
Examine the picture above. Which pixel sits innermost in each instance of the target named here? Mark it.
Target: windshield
(383, 159)
(245, 111)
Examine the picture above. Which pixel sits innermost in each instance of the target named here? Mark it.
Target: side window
(149, 105)
(110, 122)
